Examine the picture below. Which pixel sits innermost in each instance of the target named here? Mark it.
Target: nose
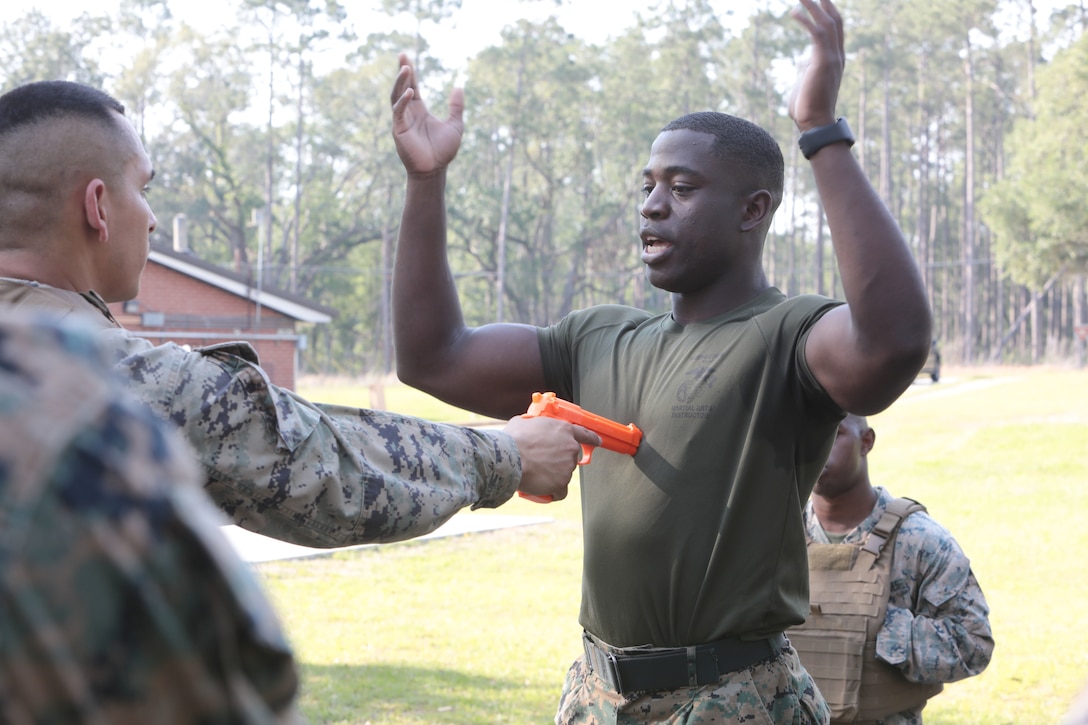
(653, 206)
(154, 223)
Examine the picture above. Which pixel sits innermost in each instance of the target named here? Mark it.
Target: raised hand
(425, 144)
(812, 102)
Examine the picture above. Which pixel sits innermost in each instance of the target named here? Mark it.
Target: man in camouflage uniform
(74, 235)
(936, 628)
(121, 602)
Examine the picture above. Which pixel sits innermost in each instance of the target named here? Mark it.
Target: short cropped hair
(44, 100)
(741, 143)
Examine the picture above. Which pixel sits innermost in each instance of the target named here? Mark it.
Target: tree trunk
(969, 314)
(504, 213)
(1080, 317)
(299, 138)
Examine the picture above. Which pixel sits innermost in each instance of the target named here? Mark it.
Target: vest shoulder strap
(886, 528)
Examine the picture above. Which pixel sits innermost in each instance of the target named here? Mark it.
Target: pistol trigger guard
(587, 454)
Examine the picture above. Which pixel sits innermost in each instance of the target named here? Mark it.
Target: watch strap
(815, 139)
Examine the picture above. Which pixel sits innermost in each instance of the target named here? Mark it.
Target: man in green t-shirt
(694, 560)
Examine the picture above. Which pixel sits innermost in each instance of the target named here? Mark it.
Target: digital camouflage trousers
(776, 692)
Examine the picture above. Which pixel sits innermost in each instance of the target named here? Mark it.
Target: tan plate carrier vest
(849, 588)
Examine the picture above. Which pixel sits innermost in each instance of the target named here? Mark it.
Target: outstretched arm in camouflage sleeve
(323, 475)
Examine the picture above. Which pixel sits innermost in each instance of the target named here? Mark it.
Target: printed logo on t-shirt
(697, 381)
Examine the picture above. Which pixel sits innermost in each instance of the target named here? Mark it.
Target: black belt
(630, 670)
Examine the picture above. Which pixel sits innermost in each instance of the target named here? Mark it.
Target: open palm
(424, 143)
(812, 101)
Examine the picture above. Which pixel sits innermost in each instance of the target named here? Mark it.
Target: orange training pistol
(614, 436)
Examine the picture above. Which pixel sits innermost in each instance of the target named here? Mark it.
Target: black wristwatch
(815, 139)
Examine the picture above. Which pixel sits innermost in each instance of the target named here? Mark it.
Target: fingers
(405, 80)
(400, 107)
(404, 90)
(457, 108)
(823, 22)
(586, 436)
(550, 450)
(799, 14)
(426, 140)
(813, 100)
(820, 12)
(833, 11)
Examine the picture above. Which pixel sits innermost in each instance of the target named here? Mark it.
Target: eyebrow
(673, 171)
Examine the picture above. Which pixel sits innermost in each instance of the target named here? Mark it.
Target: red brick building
(191, 302)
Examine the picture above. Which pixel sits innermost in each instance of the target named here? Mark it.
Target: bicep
(860, 378)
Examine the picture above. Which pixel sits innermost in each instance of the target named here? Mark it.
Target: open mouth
(653, 248)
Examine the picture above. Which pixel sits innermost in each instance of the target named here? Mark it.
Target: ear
(757, 208)
(868, 440)
(94, 208)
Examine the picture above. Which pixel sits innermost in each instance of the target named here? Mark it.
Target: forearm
(938, 645)
(427, 314)
(491, 369)
(372, 477)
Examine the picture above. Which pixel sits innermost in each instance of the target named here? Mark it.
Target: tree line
(271, 134)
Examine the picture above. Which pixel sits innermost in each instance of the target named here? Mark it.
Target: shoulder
(918, 530)
(783, 328)
(919, 537)
(34, 298)
(162, 372)
(609, 314)
(120, 344)
(53, 380)
(921, 531)
(927, 554)
(783, 323)
(599, 319)
(34, 346)
(792, 310)
(61, 399)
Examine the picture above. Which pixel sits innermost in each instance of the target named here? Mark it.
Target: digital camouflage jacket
(311, 474)
(121, 602)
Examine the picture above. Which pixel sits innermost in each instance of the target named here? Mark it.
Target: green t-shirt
(698, 536)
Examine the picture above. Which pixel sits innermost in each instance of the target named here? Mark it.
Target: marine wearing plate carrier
(849, 589)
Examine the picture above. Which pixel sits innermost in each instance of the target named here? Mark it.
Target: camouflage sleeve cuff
(498, 484)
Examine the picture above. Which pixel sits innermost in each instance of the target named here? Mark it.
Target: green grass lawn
(481, 628)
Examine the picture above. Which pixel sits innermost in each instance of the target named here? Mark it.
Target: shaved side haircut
(53, 135)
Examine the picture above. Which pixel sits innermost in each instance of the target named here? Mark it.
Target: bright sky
(475, 26)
